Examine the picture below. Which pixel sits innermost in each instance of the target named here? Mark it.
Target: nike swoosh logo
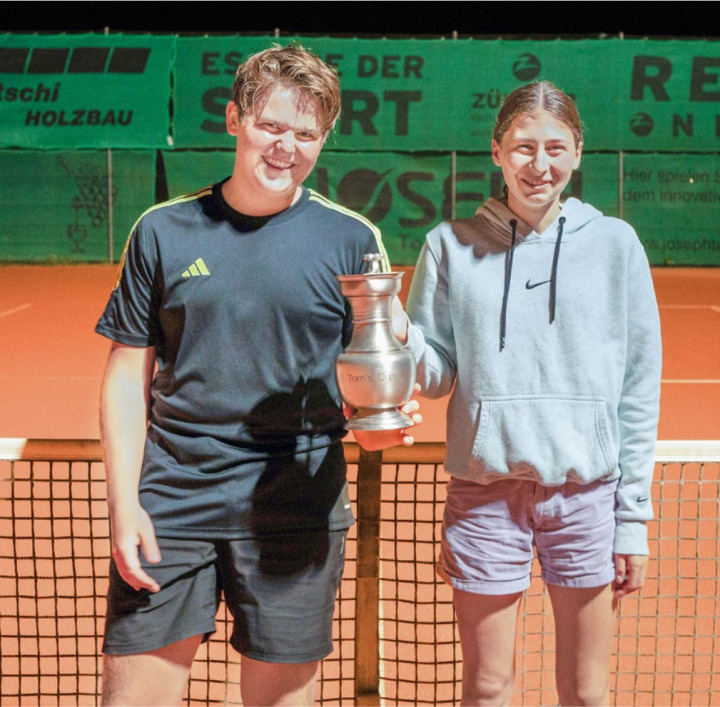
(641, 500)
(530, 286)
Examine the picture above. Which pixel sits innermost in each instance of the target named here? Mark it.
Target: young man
(220, 416)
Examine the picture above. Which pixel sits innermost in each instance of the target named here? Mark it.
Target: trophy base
(370, 420)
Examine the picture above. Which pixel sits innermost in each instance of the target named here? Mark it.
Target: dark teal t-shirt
(247, 320)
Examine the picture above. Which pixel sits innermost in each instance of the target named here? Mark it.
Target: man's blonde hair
(291, 67)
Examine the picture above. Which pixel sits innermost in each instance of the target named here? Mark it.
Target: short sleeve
(131, 314)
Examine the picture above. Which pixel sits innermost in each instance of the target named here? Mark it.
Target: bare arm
(123, 428)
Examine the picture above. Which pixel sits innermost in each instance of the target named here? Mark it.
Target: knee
(585, 695)
(488, 690)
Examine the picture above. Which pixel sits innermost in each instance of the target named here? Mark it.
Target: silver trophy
(375, 374)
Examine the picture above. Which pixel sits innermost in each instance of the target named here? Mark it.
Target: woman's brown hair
(541, 95)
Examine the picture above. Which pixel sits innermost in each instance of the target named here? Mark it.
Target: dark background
(420, 19)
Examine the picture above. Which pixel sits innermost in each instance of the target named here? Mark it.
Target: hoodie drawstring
(506, 289)
(508, 276)
(553, 274)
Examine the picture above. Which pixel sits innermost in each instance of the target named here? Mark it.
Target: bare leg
(584, 630)
(277, 683)
(153, 678)
(487, 634)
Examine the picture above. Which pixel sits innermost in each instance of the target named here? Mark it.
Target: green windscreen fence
(62, 207)
(94, 129)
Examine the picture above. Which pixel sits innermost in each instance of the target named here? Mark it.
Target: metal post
(111, 257)
(453, 183)
(367, 599)
(453, 168)
(621, 182)
(621, 179)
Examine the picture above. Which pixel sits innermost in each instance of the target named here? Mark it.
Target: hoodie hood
(496, 229)
(489, 230)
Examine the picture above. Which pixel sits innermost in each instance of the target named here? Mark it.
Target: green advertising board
(411, 146)
(69, 91)
(405, 195)
(382, 90)
(670, 96)
(55, 206)
(120, 91)
(443, 94)
(674, 203)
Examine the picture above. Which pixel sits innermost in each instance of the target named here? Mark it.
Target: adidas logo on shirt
(197, 269)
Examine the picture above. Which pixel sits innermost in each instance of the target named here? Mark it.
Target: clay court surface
(51, 364)
(51, 361)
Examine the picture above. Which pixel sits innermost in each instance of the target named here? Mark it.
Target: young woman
(539, 315)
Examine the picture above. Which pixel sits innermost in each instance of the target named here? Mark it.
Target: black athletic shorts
(280, 590)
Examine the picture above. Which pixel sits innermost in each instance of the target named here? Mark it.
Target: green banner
(187, 172)
(55, 206)
(631, 94)
(492, 69)
(674, 203)
(405, 195)
(203, 76)
(70, 91)
(443, 95)
(669, 97)
(386, 104)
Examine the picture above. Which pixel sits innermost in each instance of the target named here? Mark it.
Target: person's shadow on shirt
(299, 488)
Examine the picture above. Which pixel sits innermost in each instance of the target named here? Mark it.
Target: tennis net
(54, 554)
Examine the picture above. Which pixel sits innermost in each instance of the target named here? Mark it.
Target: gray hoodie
(550, 344)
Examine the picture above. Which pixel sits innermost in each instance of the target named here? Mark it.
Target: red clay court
(54, 533)
(51, 361)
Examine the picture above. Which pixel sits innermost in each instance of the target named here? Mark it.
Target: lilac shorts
(489, 532)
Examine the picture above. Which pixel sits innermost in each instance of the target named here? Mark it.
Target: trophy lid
(370, 282)
(374, 260)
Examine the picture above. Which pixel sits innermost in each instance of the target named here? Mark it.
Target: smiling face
(537, 154)
(278, 144)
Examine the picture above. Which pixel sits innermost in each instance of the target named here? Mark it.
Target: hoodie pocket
(549, 437)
